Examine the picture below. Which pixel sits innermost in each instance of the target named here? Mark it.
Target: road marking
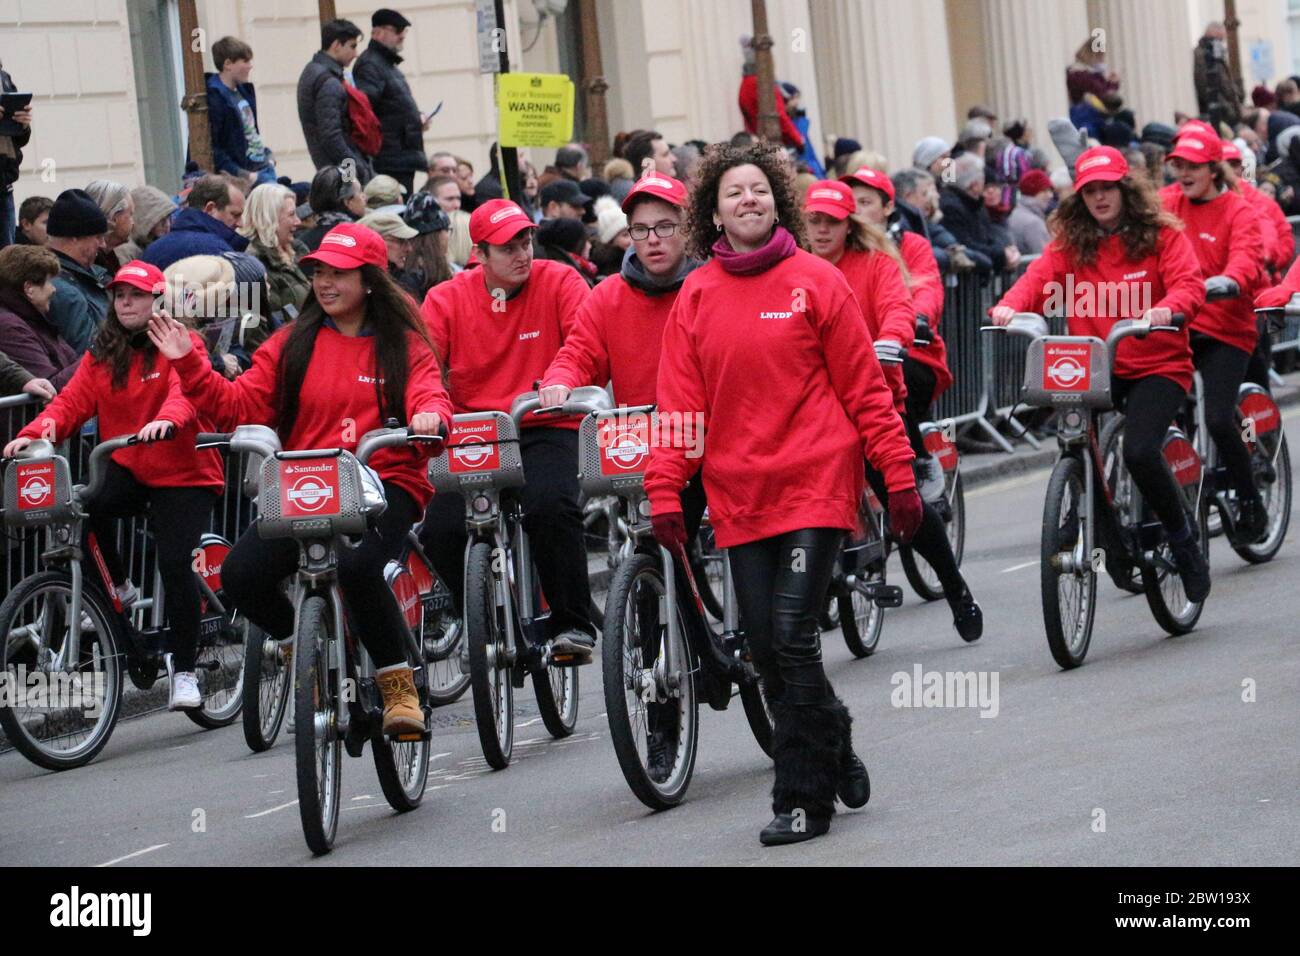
(148, 849)
(364, 796)
(436, 756)
(262, 813)
(1018, 567)
(528, 723)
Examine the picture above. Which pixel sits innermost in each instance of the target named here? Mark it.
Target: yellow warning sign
(534, 109)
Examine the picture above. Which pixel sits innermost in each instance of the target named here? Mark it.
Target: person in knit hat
(76, 229)
(153, 218)
(612, 239)
(1027, 221)
(930, 154)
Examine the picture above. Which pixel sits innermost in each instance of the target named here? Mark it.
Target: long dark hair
(770, 158)
(114, 346)
(1141, 220)
(390, 314)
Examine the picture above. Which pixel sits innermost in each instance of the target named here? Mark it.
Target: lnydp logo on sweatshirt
(775, 315)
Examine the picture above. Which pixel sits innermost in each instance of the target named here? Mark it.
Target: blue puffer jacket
(194, 233)
(229, 145)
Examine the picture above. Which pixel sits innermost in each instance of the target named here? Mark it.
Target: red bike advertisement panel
(309, 488)
(471, 447)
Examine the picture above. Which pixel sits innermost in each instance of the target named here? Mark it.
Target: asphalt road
(1151, 739)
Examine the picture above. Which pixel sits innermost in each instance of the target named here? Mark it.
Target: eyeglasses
(663, 230)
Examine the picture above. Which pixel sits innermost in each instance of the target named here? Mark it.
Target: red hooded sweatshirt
(495, 349)
(1279, 240)
(336, 404)
(149, 395)
(882, 295)
(927, 300)
(616, 338)
(781, 369)
(1225, 234)
(1116, 287)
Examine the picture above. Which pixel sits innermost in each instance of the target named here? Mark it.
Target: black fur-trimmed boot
(854, 786)
(807, 744)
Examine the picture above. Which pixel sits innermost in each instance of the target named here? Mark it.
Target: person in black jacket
(400, 120)
(966, 217)
(11, 157)
(237, 146)
(323, 101)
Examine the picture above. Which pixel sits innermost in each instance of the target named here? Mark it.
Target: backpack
(365, 124)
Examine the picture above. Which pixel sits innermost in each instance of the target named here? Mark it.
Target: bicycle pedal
(888, 595)
(409, 738)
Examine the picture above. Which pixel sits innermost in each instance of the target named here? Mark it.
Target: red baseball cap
(497, 221)
(1195, 147)
(1230, 151)
(350, 245)
(142, 275)
(1199, 127)
(658, 186)
(833, 198)
(1104, 164)
(870, 177)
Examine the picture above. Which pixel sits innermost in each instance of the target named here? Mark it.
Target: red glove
(904, 514)
(669, 530)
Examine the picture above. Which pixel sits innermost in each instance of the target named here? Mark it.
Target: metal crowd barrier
(231, 515)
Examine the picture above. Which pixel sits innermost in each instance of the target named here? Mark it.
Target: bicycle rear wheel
(861, 621)
(753, 697)
(219, 665)
(318, 747)
(923, 578)
(1069, 596)
(1123, 574)
(58, 718)
(1277, 502)
(489, 659)
(639, 691)
(1164, 588)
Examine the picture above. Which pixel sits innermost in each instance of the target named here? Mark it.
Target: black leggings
(930, 541)
(177, 519)
(1223, 369)
(920, 383)
(781, 587)
(552, 519)
(1261, 360)
(1150, 405)
(256, 566)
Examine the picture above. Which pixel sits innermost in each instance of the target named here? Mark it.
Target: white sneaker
(126, 593)
(932, 482)
(183, 692)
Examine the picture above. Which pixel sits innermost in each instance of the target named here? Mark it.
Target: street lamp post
(769, 125)
(195, 102)
(593, 85)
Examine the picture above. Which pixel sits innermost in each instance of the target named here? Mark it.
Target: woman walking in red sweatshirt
(356, 356)
(1111, 234)
(1225, 233)
(875, 273)
(767, 346)
(124, 382)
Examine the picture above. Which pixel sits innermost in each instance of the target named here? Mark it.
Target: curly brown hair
(1141, 219)
(770, 158)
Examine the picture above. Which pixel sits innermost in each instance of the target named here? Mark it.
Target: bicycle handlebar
(371, 442)
(581, 401)
(95, 472)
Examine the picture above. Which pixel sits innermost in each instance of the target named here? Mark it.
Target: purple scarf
(780, 246)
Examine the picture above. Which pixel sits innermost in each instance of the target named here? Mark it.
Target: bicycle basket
(482, 450)
(1067, 370)
(613, 451)
(312, 495)
(38, 491)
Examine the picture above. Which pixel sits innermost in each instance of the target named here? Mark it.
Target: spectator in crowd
(531, 186)
(967, 218)
(253, 298)
(842, 155)
(1268, 125)
(1088, 75)
(747, 99)
(14, 134)
(563, 199)
(612, 239)
(565, 240)
(646, 149)
(427, 265)
(917, 204)
(76, 230)
(237, 146)
(465, 176)
(153, 218)
(400, 120)
(460, 246)
(974, 138)
(1027, 222)
(26, 287)
(335, 198)
(323, 101)
(1062, 183)
(119, 209)
(593, 189)
(385, 194)
(1287, 96)
(794, 108)
(202, 292)
(570, 163)
(1286, 171)
(619, 174)
(445, 191)
(270, 218)
(206, 226)
(489, 187)
(931, 154)
(688, 156)
(14, 380)
(32, 216)
(1218, 97)
(441, 163)
(397, 236)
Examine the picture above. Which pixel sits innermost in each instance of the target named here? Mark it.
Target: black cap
(74, 215)
(383, 17)
(563, 190)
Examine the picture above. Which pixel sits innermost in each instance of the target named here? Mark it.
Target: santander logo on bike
(1067, 368)
(625, 447)
(35, 486)
(309, 490)
(469, 448)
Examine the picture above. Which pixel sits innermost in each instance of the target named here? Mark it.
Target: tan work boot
(402, 714)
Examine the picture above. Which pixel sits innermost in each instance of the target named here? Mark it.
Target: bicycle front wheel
(318, 748)
(402, 763)
(1069, 594)
(58, 717)
(489, 659)
(861, 620)
(1168, 601)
